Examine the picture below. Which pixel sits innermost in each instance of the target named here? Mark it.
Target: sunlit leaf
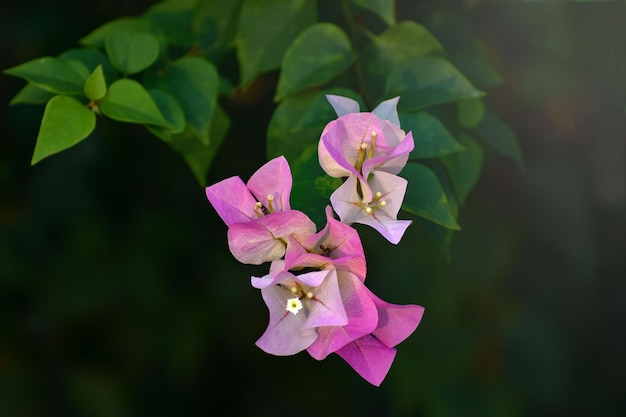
(319, 53)
(266, 29)
(65, 122)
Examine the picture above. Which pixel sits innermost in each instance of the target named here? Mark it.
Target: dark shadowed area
(118, 296)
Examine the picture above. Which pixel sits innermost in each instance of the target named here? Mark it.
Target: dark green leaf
(431, 137)
(426, 81)
(281, 139)
(98, 36)
(197, 154)
(320, 112)
(31, 94)
(173, 17)
(501, 137)
(393, 47)
(319, 53)
(383, 8)
(311, 187)
(470, 112)
(132, 51)
(52, 74)
(215, 25)
(476, 70)
(194, 83)
(426, 197)
(128, 101)
(91, 58)
(464, 168)
(266, 28)
(65, 122)
(171, 111)
(96, 86)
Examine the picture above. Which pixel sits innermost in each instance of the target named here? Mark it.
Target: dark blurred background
(118, 296)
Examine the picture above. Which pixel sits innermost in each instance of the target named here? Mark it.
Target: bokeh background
(118, 296)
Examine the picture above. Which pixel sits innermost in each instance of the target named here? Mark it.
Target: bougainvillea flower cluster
(315, 287)
(370, 150)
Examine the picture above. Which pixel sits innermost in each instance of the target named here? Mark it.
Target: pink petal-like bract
(259, 240)
(273, 178)
(369, 208)
(395, 322)
(369, 357)
(337, 243)
(362, 318)
(232, 201)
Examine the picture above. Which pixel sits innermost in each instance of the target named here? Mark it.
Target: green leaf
(383, 8)
(476, 70)
(501, 137)
(128, 101)
(426, 81)
(196, 154)
(281, 139)
(132, 51)
(320, 112)
(470, 111)
(319, 53)
(393, 47)
(464, 168)
(215, 25)
(91, 58)
(65, 122)
(171, 110)
(98, 36)
(266, 29)
(194, 83)
(425, 196)
(52, 74)
(96, 86)
(431, 137)
(31, 94)
(442, 235)
(173, 17)
(311, 187)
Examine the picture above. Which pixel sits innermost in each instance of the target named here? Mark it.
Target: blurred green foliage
(119, 296)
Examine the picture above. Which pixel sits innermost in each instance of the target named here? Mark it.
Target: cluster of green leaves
(165, 70)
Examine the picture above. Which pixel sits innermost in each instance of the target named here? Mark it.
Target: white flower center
(294, 305)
